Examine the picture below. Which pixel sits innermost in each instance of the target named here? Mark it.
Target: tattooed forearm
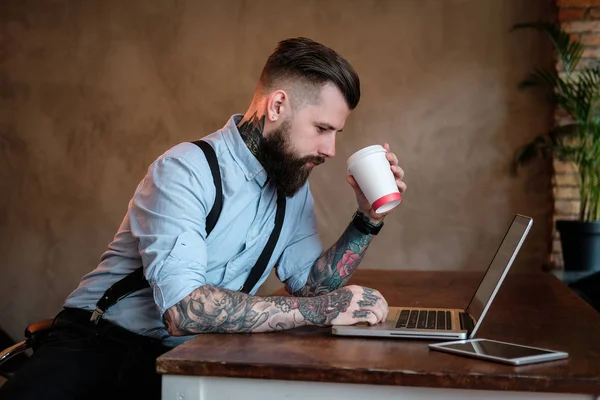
(324, 309)
(212, 309)
(251, 131)
(335, 267)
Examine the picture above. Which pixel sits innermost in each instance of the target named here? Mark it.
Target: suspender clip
(97, 315)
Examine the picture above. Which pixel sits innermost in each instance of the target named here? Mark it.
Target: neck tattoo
(251, 131)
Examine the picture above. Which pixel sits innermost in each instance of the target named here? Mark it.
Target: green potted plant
(576, 93)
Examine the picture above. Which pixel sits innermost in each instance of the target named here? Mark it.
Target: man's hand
(363, 203)
(334, 268)
(366, 305)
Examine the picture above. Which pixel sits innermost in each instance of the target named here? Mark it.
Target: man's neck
(251, 129)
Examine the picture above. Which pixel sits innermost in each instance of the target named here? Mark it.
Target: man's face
(304, 140)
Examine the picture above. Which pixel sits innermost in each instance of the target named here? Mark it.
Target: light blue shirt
(164, 229)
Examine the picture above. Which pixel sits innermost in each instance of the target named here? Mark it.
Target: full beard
(285, 169)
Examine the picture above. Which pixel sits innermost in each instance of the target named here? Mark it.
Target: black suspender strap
(131, 283)
(136, 281)
(265, 256)
(213, 163)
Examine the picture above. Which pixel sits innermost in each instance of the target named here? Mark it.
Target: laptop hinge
(466, 322)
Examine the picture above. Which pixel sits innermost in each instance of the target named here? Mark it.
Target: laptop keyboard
(425, 319)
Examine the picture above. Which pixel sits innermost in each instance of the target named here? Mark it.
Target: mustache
(316, 160)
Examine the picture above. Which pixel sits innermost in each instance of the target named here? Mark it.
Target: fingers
(391, 157)
(399, 175)
(384, 308)
(384, 301)
(365, 316)
(373, 319)
(377, 294)
(398, 172)
(378, 312)
(368, 305)
(372, 301)
(401, 185)
(350, 179)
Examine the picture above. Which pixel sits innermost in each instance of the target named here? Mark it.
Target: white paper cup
(372, 172)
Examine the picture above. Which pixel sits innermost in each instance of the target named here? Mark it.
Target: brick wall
(581, 18)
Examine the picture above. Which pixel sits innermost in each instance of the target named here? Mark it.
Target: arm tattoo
(212, 309)
(251, 131)
(335, 267)
(326, 308)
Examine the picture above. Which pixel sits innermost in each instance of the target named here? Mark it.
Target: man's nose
(328, 147)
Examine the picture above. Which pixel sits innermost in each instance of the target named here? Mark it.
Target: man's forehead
(330, 111)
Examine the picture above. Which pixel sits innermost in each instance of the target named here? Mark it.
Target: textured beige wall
(92, 91)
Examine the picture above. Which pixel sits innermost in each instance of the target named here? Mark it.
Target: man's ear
(277, 104)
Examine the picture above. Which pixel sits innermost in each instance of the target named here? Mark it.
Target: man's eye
(320, 129)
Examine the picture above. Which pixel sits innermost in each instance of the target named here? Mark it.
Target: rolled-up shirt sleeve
(168, 214)
(303, 250)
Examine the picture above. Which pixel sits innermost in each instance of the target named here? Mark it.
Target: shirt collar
(251, 167)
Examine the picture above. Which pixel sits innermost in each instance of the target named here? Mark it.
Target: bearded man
(174, 271)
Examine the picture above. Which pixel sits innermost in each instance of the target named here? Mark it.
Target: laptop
(447, 323)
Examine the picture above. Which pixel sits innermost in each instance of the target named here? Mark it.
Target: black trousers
(80, 361)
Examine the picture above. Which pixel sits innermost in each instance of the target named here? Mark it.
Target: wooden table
(310, 363)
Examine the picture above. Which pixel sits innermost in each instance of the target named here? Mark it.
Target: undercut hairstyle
(312, 65)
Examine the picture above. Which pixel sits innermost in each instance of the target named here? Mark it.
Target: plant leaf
(526, 153)
(569, 53)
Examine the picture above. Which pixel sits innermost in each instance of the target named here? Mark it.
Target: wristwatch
(364, 224)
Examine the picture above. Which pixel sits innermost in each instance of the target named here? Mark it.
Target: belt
(103, 327)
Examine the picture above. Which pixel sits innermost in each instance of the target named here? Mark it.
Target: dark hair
(304, 59)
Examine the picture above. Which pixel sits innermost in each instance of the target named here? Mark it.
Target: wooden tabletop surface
(530, 309)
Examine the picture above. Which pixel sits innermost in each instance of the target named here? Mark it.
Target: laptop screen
(498, 268)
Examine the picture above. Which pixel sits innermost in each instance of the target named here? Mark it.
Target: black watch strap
(361, 222)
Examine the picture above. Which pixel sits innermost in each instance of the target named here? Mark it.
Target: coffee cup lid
(376, 148)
